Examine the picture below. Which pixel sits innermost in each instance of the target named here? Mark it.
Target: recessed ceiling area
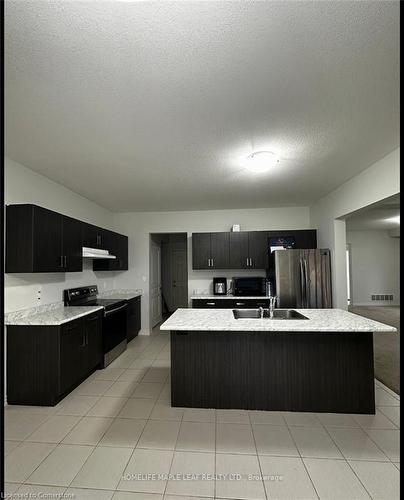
(147, 106)
(384, 216)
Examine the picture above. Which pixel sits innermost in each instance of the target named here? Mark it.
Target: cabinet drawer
(238, 303)
(210, 303)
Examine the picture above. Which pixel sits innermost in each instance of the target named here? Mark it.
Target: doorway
(373, 270)
(168, 275)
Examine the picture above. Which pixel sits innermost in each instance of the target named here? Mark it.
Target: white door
(155, 284)
(180, 279)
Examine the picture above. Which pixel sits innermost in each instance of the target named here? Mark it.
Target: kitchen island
(323, 363)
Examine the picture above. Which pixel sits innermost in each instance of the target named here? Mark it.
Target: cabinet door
(306, 238)
(116, 244)
(219, 250)
(122, 253)
(258, 249)
(133, 318)
(72, 346)
(72, 244)
(201, 254)
(47, 227)
(238, 250)
(92, 236)
(93, 341)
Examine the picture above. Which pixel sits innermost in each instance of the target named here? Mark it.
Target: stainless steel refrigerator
(303, 278)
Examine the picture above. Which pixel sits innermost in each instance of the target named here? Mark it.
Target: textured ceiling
(154, 105)
(376, 217)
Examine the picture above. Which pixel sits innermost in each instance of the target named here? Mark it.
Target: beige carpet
(386, 345)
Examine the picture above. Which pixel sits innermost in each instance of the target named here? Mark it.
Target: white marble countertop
(121, 294)
(319, 320)
(235, 297)
(52, 317)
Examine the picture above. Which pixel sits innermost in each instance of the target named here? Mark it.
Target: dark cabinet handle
(65, 261)
(61, 261)
(92, 319)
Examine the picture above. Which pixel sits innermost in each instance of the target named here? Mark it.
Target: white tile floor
(106, 438)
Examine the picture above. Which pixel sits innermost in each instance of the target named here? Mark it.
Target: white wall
(139, 225)
(381, 180)
(375, 266)
(23, 185)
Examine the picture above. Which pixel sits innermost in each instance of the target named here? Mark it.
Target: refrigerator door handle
(306, 284)
(302, 281)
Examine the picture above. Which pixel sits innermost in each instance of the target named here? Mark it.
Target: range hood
(96, 253)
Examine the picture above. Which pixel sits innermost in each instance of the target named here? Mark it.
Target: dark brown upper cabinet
(243, 249)
(116, 244)
(210, 250)
(94, 236)
(248, 250)
(39, 240)
(72, 244)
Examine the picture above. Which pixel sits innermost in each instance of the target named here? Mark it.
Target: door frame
(152, 241)
(151, 319)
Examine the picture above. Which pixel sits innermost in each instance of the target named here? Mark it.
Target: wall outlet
(38, 293)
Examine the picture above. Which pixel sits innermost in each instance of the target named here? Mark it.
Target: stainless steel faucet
(272, 303)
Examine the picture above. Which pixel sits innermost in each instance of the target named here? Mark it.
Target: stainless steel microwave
(253, 286)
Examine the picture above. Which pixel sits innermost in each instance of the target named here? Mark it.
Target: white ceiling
(154, 105)
(376, 217)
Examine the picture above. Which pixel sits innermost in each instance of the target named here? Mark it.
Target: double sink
(258, 314)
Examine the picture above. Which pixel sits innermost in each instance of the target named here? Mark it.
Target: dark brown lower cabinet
(275, 371)
(133, 317)
(45, 363)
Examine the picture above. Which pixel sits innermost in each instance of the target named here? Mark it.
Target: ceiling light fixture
(395, 219)
(261, 161)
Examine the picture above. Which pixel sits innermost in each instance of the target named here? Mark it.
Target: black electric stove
(114, 334)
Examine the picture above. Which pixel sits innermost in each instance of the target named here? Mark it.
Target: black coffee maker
(220, 286)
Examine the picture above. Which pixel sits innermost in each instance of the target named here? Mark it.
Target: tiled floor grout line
(388, 418)
(258, 458)
(174, 450)
(301, 457)
(345, 458)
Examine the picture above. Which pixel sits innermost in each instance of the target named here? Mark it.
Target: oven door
(114, 333)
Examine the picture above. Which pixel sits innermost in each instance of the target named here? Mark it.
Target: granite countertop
(121, 294)
(51, 317)
(235, 297)
(319, 320)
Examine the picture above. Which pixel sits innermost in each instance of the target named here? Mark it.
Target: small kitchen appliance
(220, 286)
(250, 286)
